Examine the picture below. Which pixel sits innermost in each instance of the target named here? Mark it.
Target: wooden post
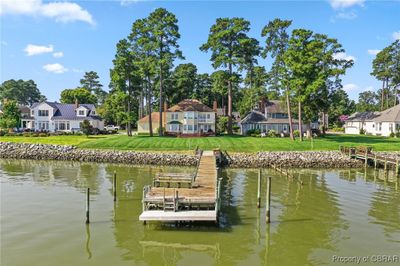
(366, 157)
(143, 199)
(385, 167)
(115, 186)
(259, 189)
(177, 200)
(375, 162)
(397, 166)
(350, 152)
(268, 204)
(87, 205)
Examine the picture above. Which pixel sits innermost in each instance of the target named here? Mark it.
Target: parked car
(112, 128)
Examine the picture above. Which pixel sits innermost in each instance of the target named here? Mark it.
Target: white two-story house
(53, 116)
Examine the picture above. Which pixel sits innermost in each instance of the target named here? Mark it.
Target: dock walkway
(199, 202)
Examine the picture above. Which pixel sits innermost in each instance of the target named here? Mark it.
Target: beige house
(189, 117)
(143, 123)
(381, 123)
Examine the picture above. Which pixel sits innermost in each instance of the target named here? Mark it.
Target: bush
(337, 129)
(296, 133)
(362, 131)
(272, 133)
(392, 135)
(235, 128)
(2, 133)
(253, 132)
(222, 124)
(43, 135)
(27, 134)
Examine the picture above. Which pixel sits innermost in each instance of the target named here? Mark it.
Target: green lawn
(229, 143)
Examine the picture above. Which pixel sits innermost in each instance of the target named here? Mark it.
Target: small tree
(86, 127)
(11, 115)
(222, 124)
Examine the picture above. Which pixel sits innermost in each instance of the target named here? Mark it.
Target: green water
(335, 212)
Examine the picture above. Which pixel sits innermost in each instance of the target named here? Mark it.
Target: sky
(55, 42)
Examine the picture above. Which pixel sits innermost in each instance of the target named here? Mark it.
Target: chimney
(215, 106)
(76, 103)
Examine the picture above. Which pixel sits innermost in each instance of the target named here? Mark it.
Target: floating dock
(199, 199)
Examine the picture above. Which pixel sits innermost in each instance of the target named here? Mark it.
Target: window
(81, 112)
(208, 116)
(379, 126)
(188, 115)
(190, 127)
(93, 112)
(32, 112)
(43, 126)
(43, 113)
(174, 116)
(195, 127)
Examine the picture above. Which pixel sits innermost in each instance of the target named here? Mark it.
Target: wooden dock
(370, 158)
(198, 201)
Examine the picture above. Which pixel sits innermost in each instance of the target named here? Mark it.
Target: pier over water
(174, 197)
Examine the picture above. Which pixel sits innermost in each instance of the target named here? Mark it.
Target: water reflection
(309, 222)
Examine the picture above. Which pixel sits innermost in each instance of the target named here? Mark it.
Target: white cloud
(58, 54)
(396, 35)
(55, 68)
(128, 2)
(347, 15)
(373, 51)
(344, 56)
(350, 87)
(60, 11)
(32, 49)
(341, 4)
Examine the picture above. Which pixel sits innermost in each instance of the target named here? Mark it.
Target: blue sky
(54, 43)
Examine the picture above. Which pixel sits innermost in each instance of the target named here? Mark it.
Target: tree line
(305, 74)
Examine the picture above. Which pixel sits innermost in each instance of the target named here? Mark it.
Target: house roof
(190, 105)
(275, 106)
(155, 118)
(363, 116)
(389, 115)
(256, 117)
(67, 111)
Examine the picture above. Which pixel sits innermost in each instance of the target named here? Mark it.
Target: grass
(229, 143)
(59, 140)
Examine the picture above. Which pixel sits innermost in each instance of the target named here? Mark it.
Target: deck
(197, 202)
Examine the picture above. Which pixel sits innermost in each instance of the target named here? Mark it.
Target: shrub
(43, 135)
(337, 129)
(27, 134)
(235, 128)
(253, 132)
(392, 135)
(296, 133)
(222, 124)
(2, 133)
(362, 131)
(272, 133)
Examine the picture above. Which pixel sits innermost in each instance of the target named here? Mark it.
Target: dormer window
(81, 112)
(93, 112)
(43, 112)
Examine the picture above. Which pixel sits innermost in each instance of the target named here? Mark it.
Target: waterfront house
(268, 115)
(53, 116)
(374, 123)
(143, 123)
(189, 117)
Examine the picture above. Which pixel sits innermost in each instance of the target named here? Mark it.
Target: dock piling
(87, 205)
(268, 204)
(115, 186)
(366, 158)
(375, 162)
(259, 189)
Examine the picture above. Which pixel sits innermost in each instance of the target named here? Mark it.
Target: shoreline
(290, 159)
